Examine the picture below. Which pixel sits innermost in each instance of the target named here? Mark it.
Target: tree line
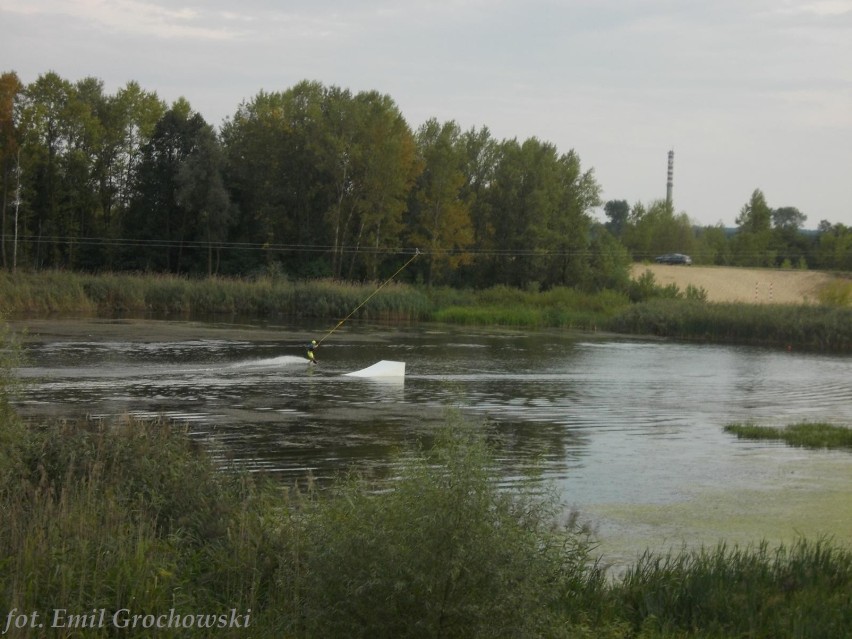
(763, 236)
(318, 181)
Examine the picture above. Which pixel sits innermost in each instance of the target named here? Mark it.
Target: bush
(836, 293)
(443, 553)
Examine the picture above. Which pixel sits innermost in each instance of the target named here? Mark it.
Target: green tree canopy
(201, 192)
(657, 229)
(618, 212)
(751, 245)
(439, 214)
(11, 89)
(164, 212)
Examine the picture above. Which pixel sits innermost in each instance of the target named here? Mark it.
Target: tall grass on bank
(836, 293)
(109, 294)
(559, 307)
(823, 328)
(43, 292)
(799, 591)
(667, 312)
(129, 516)
(805, 434)
(135, 515)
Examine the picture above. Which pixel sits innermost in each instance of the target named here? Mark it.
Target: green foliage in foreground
(801, 591)
(445, 553)
(136, 515)
(805, 434)
(127, 515)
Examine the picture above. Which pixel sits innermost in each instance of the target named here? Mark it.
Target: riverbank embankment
(646, 308)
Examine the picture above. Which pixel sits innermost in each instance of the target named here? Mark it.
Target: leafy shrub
(444, 552)
(836, 293)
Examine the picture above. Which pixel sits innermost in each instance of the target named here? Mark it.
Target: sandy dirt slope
(734, 284)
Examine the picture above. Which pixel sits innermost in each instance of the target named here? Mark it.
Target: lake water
(630, 431)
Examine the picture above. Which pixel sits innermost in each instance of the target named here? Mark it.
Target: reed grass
(664, 311)
(757, 591)
(559, 307)
(43, 293)
(109, 294)
(136, 515)
(825, 328)
(804, 434)
(837, 292)
(127, 515)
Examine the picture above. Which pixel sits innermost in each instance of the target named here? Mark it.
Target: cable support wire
(318, 248)
(165, 243)
(324, 248)
(304, 248)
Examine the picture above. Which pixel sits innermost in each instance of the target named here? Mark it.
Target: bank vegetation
(640, 307)
(135, 515)
(803, 434)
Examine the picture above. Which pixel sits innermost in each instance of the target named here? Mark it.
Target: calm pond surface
(628, 430)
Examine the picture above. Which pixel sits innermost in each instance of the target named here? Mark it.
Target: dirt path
(735, 284)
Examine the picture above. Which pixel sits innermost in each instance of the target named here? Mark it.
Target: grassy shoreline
(663, 312)
(134, 515)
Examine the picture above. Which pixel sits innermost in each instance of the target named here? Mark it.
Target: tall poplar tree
(10, 92)
(384, 172)
(165, 231)
(439, 215)
(481, 157)
(540, 202)
(751, 245)
(59, 133)
(277, 190)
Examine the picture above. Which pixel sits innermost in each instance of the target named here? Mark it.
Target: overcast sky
(748, 93)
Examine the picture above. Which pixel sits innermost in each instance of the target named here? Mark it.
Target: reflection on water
(611, 421)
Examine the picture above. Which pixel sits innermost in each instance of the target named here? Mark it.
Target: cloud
(822, 8)
(136, 17)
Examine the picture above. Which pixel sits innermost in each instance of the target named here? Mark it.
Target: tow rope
(369, 297)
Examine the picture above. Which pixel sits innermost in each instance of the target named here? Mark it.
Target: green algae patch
(813, 500)
(805, 434)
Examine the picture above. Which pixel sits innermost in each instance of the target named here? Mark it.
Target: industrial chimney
(670, 180)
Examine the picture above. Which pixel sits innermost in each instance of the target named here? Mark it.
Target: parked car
(673, 258)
